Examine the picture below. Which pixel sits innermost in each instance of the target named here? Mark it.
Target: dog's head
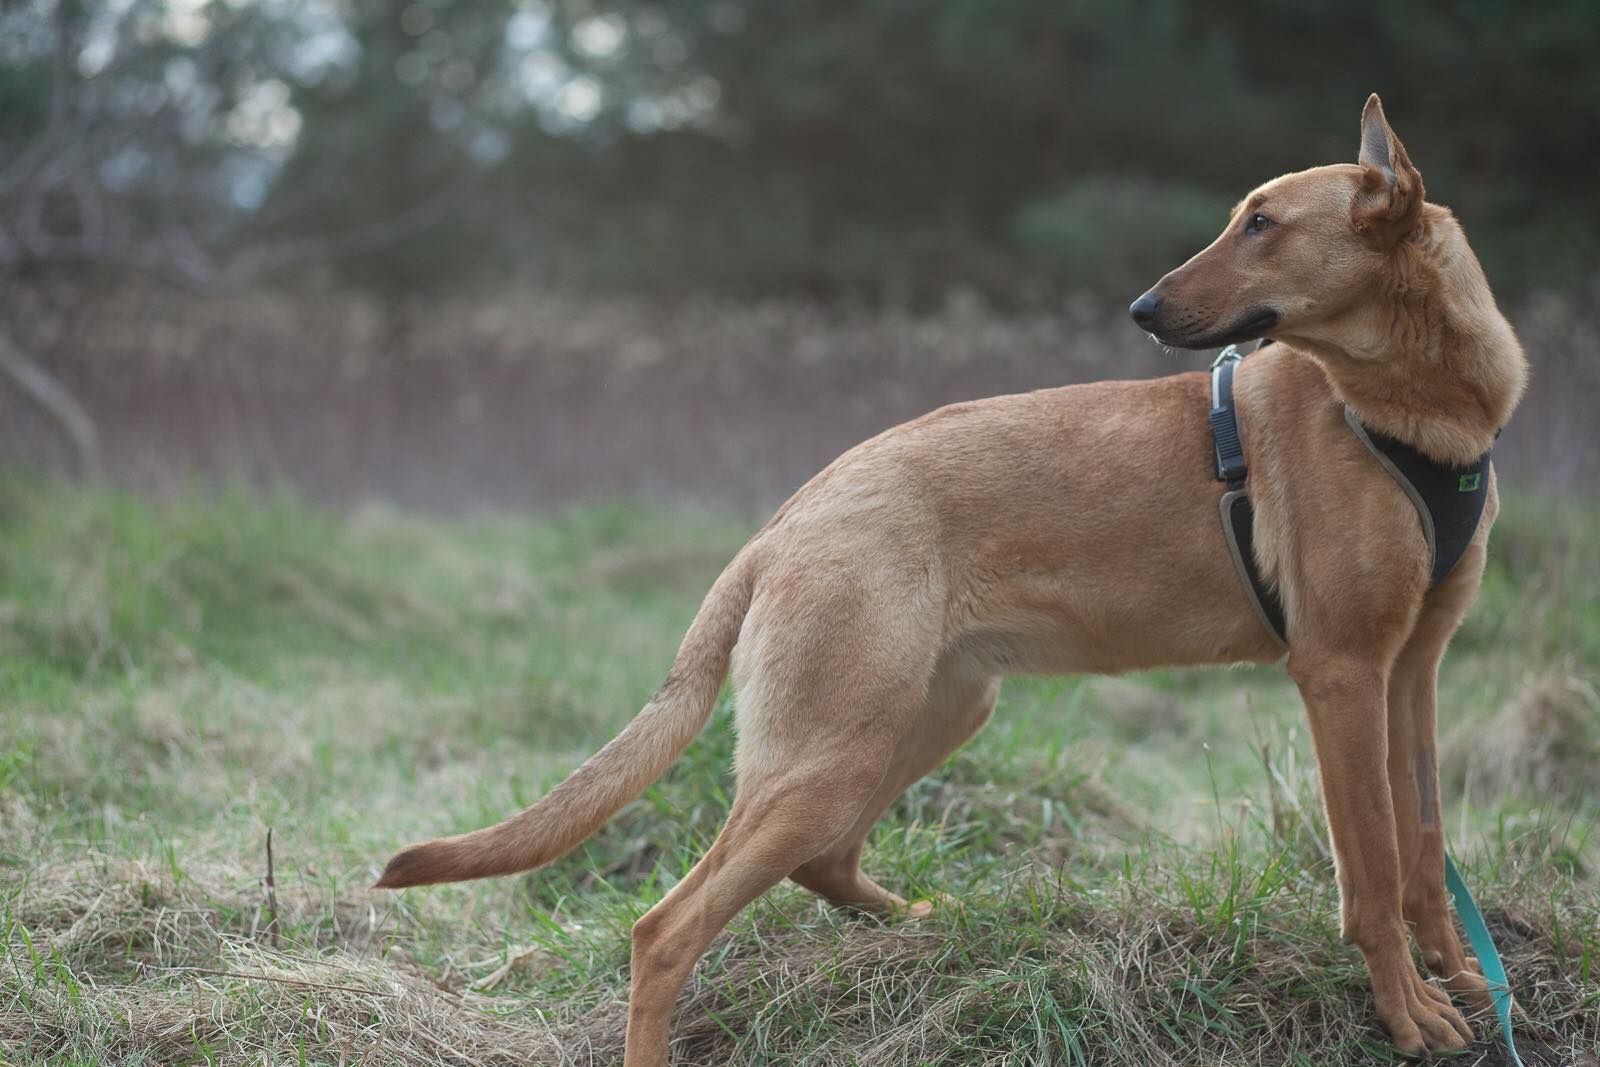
(1298, 252)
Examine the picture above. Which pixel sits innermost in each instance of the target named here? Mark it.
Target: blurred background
(462, 255)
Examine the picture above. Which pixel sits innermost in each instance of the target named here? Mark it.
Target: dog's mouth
(1254, 323)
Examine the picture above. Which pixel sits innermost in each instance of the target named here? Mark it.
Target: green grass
(1139, 860)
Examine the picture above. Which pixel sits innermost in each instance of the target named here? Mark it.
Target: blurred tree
(910, 144)
(147, 136)
(887, 148)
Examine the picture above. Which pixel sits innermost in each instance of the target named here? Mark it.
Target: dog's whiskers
(1166, 349)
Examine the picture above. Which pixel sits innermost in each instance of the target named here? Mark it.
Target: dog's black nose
(1144, 309)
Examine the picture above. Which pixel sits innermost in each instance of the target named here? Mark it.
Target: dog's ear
(1389, 202)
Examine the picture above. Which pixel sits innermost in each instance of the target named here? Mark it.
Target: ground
(1139, 862)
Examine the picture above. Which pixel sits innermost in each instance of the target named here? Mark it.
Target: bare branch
(43, 388)
(354, 241)
(271, 885)
(62, 68)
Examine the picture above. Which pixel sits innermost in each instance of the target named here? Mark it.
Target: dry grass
(1543, 739)
(527, 394)
(196, 986)
(119, 961)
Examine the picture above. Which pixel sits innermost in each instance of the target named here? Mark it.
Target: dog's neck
(1428, 360)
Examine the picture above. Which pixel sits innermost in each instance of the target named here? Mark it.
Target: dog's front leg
(1345, 697)
(1414, 789)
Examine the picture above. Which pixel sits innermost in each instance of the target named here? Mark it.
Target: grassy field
(1140, 860)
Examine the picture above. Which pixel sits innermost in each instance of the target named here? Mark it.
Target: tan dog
(869, 623)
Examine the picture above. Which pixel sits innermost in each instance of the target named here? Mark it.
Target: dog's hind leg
(776, 824)
(821, 713)
(958, 705)
(1414, 783)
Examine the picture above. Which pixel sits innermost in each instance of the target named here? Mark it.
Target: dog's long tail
(610, 778)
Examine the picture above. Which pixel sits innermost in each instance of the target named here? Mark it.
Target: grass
(1140, 860)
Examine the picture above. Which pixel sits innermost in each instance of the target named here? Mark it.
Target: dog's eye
(1256, 223)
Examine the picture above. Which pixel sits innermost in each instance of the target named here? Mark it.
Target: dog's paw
(1421, 1019)
(923, 909)
(1465, 981)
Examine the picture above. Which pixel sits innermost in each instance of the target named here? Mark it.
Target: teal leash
(1494, 972)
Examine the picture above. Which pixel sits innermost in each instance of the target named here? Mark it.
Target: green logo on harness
(1469, 483)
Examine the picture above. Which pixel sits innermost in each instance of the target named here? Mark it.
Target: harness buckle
(1231, 354)
(1226, 443)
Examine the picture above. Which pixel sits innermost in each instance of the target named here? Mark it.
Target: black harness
(1449, 500)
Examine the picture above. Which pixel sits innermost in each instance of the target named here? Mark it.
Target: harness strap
(1238, 514)
(1238, 522)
